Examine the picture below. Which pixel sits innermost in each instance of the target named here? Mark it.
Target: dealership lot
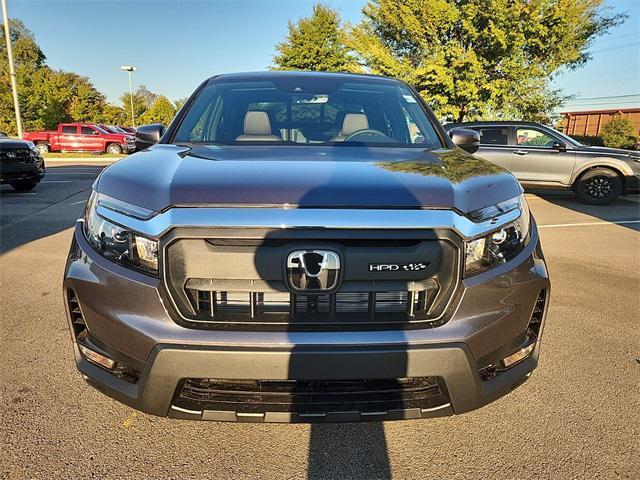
(577, 417)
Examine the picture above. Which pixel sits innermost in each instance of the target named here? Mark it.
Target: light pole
(130, 69)
(12, 70)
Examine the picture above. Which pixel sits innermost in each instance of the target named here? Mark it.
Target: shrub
(619, 133)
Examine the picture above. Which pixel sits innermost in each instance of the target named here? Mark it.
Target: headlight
(118, 244)
(32, 151)
(501, 245)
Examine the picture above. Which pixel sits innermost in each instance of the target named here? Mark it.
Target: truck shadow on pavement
(353, 450)
(329, 378)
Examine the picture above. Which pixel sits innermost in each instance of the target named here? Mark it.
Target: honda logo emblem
(313, 271)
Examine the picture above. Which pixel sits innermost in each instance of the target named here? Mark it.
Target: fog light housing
(518, 356)
(97, 358)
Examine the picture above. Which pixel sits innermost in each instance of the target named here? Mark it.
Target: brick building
(590, 123)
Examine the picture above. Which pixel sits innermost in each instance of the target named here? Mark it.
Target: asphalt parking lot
(577, 417)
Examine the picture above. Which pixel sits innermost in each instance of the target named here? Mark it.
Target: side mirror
(466, 139)
(147, 135)
(561, 147)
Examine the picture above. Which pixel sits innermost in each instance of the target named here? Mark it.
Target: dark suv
(544, 158)
(21, 166)
(302, 247)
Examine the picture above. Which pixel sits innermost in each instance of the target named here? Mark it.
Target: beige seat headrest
(257, 128)
(353, 122)
(257, 123)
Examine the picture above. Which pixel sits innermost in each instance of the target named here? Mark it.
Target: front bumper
(127, 319)
(27, 172)
(632, 183)
(129, 146)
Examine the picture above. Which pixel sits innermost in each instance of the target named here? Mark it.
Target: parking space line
(57, 181)
(588, 224)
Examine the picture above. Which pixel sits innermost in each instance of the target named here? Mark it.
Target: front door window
(527, 137)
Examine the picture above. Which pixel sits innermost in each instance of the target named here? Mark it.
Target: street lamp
(12, 70)
(130, 68)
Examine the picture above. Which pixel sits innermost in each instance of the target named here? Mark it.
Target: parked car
(305, 247)
(541, 157)
(127, 129)
(80, 137)
(113, 129)
(21, 165)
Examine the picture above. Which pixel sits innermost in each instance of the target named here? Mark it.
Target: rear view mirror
(466, 139)
(147, 135)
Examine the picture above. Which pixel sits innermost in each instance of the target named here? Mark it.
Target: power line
(610, 80)
(602, 104)
(609, 72)
(616, 37)
(609, 96)
(615, 47)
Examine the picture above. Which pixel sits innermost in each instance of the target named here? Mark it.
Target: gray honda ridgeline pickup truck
(305, 247)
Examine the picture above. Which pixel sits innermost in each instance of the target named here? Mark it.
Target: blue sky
(177, 44)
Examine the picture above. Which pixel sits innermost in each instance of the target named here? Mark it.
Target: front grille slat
(244, 307)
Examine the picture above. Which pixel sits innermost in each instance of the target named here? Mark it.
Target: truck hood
(306, 177)
(14, 143)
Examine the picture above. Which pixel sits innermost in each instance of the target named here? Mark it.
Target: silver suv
(541, 157)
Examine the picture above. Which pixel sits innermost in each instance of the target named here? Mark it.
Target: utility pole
(130, 69)
(12, 70)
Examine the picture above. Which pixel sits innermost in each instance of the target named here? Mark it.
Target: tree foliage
(619, 132)
(161, 111)
(179, 103)
(115, 115)
(316, 43)
(143, 98)
(480, 58)
(47, 97)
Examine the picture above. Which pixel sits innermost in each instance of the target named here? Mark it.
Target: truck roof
(266, 75)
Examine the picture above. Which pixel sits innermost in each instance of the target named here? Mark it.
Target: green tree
(480, 58)
(179, 103)
(86, 103)
(25, 49)
(47, 97)
(316, 43)
(619, 132)
(161, 111)
(114, 115)
(143, 98)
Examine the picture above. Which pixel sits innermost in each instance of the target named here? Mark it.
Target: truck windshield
(307, 111)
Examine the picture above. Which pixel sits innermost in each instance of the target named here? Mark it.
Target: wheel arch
(609, 166)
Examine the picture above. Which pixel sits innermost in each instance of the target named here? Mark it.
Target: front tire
(42, 148)
(24, 186)
(114, 149)
(599, 186)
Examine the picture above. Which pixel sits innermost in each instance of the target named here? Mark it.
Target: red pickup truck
(76, 137)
